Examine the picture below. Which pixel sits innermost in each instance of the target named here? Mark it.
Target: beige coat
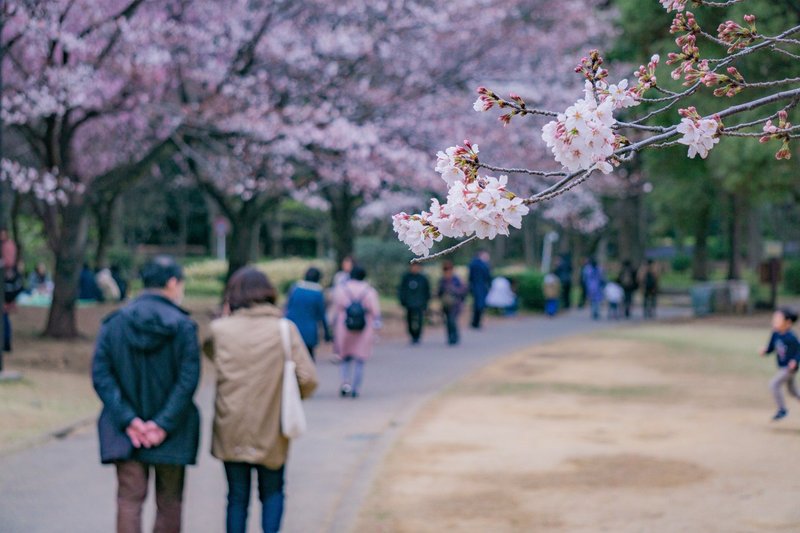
(248, 356)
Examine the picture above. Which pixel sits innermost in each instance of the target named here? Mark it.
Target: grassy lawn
(662, 427)
(42, 402)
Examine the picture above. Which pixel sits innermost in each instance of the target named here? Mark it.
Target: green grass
(709, 347)
(512, 388)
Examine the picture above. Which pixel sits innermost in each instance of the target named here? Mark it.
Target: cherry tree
(371, 83)
(590, 135)
(97, 92)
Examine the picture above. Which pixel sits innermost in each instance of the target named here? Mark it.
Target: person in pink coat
(357, 315)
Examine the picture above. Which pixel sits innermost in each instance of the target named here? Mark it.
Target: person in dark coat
(629, 281)
(563, 272)
(87, 286)
(452, 293)
(414, 293)
(306, 308)
(480, 279)
(145, 370)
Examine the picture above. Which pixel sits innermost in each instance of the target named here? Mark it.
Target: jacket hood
(151, 321)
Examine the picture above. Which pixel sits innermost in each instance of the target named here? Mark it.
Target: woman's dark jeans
(270, 492)
(451, 319)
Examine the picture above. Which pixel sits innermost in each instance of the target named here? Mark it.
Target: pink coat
(355, 343)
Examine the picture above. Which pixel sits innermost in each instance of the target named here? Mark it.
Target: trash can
(702, 296)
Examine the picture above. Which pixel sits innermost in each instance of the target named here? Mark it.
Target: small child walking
(787, 351)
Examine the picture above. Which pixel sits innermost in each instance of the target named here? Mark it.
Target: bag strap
(350, 295)
(286, 339)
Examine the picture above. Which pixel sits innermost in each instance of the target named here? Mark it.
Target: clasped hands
(145, 434)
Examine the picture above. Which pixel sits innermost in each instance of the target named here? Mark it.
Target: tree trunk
(755, 241)
(735, 237)
(700, 255)
(529, 240)
(69, 250)
(244, 232)
(343, 208)
(631, 222)
(104, 214)
(275, 229)
(16, 211)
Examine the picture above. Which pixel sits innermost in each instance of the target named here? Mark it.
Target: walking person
(629, 282)
(650, 286)
(451, 293)
(787, 354)
(594, 281)
(344, 272)
(357, 316)
(563, 272)
(414, 294)
(306, 308)
(247, 350)
(551, 287)
(583, 295)
(145, 370)
(480, 280)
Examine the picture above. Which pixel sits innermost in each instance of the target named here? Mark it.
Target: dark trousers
(650, 305)
(6, 333)
(566, 290)
(477, 313)
(270, 493)
(415, 318)
(451, 319)
(627, 303)
(132, 478)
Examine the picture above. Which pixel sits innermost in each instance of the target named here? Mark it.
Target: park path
(60, 486)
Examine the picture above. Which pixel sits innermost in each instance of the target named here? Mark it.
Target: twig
(444, 252)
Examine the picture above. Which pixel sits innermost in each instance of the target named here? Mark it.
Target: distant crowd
(618, 294)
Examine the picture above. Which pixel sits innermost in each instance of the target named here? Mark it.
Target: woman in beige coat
(248, 355)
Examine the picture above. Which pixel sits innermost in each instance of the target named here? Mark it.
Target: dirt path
(660, 428)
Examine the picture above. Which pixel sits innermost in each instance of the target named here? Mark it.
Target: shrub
(528, 286)
(791, 277)
(681, 263)
(385, 260)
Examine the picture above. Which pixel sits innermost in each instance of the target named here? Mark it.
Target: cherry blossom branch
(446, 251)
(521, 171)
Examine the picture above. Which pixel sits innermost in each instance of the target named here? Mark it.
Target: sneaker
(354, 394)
(345, 390)
(780, 414)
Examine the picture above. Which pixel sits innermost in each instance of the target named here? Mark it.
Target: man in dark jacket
(146, 368)
(629, 281)
(480, 279)
(414, 293)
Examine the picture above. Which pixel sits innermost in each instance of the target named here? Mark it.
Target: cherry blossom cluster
(46, 185)
(582, 138)
(736, 35)
(458, 163)
(779, 132)
(488, 99)
(479, 205)
(646, 75)
(483, 207)
(729, 85)
(698, 133)
(676, 5)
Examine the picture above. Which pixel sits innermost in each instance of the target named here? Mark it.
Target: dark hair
(358, 273)
(313, 274)
(158, 271)
(248, 287)
(447, 265)
(789, 314)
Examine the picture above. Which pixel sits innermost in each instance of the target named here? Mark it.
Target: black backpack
(355, 315)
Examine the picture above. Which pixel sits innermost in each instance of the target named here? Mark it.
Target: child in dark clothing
(787, 351)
